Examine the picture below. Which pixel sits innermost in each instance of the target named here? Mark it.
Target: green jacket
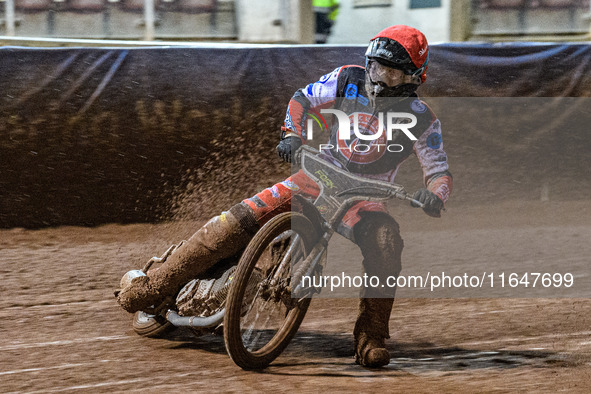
(331, 7)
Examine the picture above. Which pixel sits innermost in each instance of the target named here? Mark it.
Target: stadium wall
(98, 135)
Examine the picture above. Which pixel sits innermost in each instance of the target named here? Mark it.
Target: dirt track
(61, 329)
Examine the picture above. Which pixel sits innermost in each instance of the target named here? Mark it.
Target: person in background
(326, 12)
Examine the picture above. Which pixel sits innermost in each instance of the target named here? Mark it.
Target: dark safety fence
(97, 135)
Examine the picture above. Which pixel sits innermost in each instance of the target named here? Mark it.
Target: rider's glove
(287, 147)
(432, 204)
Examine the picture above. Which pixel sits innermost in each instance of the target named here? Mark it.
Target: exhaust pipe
(195, 321)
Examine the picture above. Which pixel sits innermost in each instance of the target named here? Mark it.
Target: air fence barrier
(110, 134)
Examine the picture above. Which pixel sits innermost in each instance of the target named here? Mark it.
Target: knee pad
(245, 217)
(378, 237)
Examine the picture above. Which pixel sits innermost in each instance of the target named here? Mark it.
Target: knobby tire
(261, 358)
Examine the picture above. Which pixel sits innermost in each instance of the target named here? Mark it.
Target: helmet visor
(387, 75)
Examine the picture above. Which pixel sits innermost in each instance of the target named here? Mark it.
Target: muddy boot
(371, 331)
(379, 239)
(220, 238)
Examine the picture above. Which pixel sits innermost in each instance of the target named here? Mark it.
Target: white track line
(548, 336)
(62, 343)
(144, 380)
(64, 304)
(96, 385)
(63, 366)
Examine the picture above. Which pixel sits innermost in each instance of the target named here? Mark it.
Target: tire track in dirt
(61, 330)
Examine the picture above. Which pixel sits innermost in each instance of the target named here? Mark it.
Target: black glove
(432, 204)
(287, 147)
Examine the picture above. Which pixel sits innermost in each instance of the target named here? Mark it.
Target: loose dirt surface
(62, 331)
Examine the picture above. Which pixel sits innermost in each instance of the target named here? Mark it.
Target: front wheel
(261, 316)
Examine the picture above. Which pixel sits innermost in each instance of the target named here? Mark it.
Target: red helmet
(401, 47)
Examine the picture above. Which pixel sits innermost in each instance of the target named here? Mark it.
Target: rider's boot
(378, 237)
(371, 331)
(221, 237)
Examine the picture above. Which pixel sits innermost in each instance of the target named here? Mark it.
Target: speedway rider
(396, 64)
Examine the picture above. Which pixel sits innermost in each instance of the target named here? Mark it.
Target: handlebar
(297, 156)
(378, 189)
(389, 193)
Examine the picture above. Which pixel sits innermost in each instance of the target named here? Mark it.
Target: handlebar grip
(415, 202)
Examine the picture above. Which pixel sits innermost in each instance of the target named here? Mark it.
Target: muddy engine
(204, 297)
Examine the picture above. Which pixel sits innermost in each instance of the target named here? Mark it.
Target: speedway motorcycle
(259, 298)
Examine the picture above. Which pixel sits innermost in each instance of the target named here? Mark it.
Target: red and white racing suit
(344, 89)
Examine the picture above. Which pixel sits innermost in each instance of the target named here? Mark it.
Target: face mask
(381, 81)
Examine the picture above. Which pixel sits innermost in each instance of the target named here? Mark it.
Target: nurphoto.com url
(434, 282)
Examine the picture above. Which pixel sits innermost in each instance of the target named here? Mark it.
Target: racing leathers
(371, 151)
(344, 90)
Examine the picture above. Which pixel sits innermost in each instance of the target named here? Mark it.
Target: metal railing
(119, 19)
(529, 18)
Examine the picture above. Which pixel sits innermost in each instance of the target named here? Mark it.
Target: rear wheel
(151, 326)
(261, 316)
